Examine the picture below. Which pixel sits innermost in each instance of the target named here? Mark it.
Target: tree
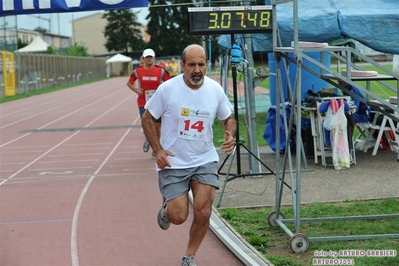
(76, 50)
(21, 44)
(122, 31)
(50, 50)
(167, 27)
(40, 29)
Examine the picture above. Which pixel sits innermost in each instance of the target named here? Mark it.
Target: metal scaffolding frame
(299, 242)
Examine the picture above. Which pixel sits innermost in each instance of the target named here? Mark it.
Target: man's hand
(162, 159)
(228, 144)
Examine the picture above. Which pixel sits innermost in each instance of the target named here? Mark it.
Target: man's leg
(177, 209)
(146, 144)
(203, 199)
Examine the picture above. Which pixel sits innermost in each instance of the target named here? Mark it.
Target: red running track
(77, 189)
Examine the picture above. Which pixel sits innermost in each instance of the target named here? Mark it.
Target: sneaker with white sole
(146, 146)
(163, 221)
(188, 261)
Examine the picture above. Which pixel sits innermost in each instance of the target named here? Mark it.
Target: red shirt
(148, 80)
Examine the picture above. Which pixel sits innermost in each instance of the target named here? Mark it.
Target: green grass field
(274, 243)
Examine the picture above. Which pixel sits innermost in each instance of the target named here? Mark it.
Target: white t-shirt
(187, 119)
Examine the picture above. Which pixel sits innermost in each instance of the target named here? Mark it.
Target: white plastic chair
(383, 128)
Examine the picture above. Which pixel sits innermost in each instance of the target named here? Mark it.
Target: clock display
(226, 20)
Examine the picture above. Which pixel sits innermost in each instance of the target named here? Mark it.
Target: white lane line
(38, 158)
(56, 173)
(74, 254)
(80, 154)
(60, 118)
(38, 114)
(4, 112)
(31, 103)
(60, 168)
(88, 144)
(37, 180)
(74, 246)
(38, 221)
(59, 144)
(69, 161)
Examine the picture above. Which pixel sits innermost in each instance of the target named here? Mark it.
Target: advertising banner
(20, 7)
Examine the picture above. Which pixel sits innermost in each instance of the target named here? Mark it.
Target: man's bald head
(192, 48)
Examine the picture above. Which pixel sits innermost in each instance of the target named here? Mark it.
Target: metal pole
(210, 51)
(59, 33)
(250, 106)
(238, 142)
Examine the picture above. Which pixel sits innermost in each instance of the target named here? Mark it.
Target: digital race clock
(229, 20)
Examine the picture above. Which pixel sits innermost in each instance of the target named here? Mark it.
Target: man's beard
(196, 82)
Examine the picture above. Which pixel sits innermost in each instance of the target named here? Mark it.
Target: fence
(39, 71)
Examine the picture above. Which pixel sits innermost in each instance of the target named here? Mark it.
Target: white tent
(118, 58)
(116, 64)
(37, 45)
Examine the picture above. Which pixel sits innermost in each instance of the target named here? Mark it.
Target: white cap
(148, 52)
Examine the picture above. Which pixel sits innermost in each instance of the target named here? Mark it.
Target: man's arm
(134, 88)
(148, 123)
(150, 132)
(230, 129)
(166, 75)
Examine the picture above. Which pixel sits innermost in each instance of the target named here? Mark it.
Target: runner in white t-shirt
(189, 114)
(185, 156)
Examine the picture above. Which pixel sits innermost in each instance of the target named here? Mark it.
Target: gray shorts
(175, 182)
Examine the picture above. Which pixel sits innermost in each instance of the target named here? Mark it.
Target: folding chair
(383, 127)
(363, 128)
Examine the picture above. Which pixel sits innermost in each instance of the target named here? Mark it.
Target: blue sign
(20, 7)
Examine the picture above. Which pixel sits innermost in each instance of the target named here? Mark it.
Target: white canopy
(115, 65)
(37, 45)
(118, 58)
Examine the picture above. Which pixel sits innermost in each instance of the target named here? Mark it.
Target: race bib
(193, 124)
(148, 94)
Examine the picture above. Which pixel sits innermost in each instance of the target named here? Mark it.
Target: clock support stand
(236, 154)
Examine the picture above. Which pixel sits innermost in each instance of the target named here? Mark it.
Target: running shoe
(163, 221)
(146, 146)
(153, 156)
(188, 261)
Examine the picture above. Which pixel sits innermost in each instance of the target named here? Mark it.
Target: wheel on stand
(299, 243)
(272, 216)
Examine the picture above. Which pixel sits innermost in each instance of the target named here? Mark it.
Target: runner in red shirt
(144, 81)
